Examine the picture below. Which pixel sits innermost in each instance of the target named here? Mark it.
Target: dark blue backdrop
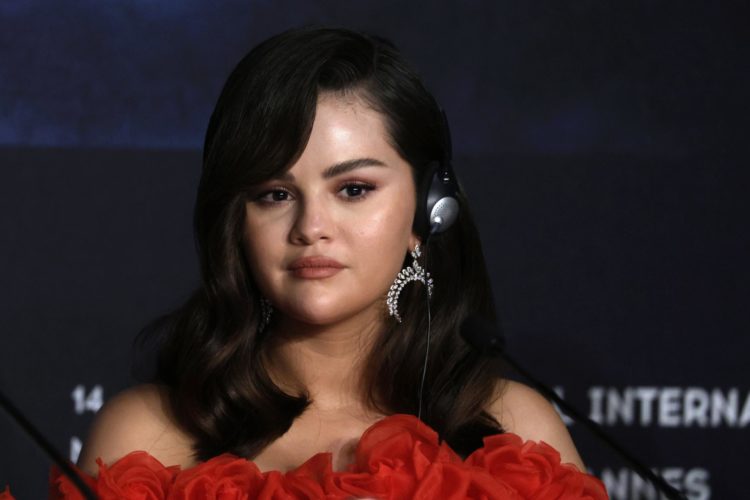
(603, 148)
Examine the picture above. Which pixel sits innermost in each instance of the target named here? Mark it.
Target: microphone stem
(47, 447)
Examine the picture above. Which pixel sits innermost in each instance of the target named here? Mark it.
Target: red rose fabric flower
(307, 480)
(137, 475)
(225, 477)
(534, 469)
(5, 495)
(398, 457)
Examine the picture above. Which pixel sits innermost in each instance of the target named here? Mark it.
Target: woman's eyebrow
(341, 168)
(349, 165)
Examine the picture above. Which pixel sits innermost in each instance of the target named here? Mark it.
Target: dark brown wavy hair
(212, 356)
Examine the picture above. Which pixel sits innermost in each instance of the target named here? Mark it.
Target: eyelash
(364, 186)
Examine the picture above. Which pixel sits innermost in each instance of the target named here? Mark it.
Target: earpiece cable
(426, 356)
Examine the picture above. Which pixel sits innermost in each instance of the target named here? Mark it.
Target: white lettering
(724, 406)
(625, 484)
(669, 407)
(619, 406)
(616, 483)
(91, 402)
(696, 484)
(745, 418)
(596, 397)
(646, 396)
(641, 488)
(75, 448)
(696, 406)
(673, 476)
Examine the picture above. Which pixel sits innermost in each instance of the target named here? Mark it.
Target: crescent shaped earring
(413, 272)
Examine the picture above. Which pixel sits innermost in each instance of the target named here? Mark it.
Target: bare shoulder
(523, 411)
(136, 419)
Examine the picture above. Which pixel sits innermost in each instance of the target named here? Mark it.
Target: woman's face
(325, 241)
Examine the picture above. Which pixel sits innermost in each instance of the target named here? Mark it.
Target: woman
(314, 163)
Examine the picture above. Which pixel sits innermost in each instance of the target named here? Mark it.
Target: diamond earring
(266, 309)
(414, 272)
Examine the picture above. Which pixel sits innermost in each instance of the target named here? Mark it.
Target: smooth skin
(349, 197)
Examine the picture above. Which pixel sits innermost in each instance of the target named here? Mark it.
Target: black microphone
(488, 339)
(46, 446)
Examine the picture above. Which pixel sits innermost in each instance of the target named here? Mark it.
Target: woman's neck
(324, 360)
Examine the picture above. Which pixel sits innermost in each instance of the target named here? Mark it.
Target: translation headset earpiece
(437, 210)
(437, 203)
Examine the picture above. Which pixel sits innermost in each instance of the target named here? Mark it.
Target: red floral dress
(398, 457)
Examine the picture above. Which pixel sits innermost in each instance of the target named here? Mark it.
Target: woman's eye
(356, 190)
(274, 196)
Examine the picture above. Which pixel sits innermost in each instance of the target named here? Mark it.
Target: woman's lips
(315, 267)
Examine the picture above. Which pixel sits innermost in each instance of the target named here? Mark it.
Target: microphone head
(482, 335)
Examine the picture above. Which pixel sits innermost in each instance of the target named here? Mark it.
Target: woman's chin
(316, 318)
(321, 315)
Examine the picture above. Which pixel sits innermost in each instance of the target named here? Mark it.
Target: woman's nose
(312, 222)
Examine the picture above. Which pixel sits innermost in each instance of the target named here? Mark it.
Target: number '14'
(87, 402)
